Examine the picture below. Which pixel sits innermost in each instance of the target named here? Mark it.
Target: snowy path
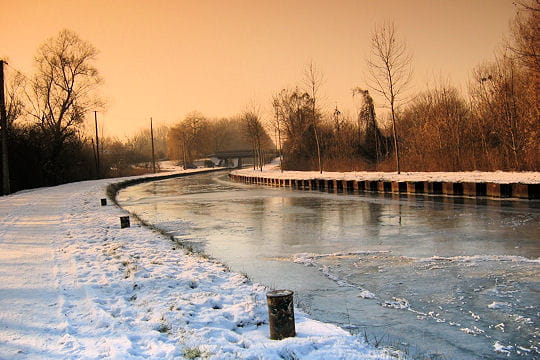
(75, 285)
(29, 289)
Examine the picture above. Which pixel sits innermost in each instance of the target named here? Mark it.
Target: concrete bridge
(237, 158)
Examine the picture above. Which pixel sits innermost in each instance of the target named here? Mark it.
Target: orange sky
(165, 58)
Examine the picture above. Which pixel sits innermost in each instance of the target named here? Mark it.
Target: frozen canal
(440, 278)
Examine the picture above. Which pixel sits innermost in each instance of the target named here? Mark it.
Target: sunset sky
(163, 59)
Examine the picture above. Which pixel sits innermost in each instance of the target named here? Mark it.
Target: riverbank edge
(116, 187)
(113, 188)
(514, 190)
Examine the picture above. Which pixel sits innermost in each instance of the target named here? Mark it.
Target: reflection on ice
(450, 276)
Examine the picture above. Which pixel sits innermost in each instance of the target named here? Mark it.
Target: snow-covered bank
(500, 177)
(75, 285)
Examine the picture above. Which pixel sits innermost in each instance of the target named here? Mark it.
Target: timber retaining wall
(468, 189)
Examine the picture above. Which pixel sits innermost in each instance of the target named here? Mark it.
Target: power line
(28, 78)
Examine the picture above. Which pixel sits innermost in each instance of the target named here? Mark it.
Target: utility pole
(153, 154)
(97, 145)
(3, 124)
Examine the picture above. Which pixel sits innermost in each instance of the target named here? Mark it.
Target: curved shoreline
(114, 188)
(332, 341)
(343, 327)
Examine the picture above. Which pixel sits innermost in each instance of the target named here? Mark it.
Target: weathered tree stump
(281, 314)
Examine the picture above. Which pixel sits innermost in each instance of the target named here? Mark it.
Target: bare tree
(254, 131)
(525, 34)
(294, 109)
(505, 108)
(313, 79)
(278, 128)
(140, 143)
(64, 86)
(338, 121)
(435, 131)
(525, 43)
(227, 134)
(390, 70)
(14, 102)
(186, 139)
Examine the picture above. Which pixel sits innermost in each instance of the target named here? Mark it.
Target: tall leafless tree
(504, 105)
(295, 109)
(313, 79)
(186, 138)
(15, 98)
(525, 34)
(525, 43)
(435, 132)
(255, 132)
(390, 70)
(64, 86)
(278, 128)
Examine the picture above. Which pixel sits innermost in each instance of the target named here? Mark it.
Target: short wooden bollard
(124, 222)
(103, 202)
(281, 314)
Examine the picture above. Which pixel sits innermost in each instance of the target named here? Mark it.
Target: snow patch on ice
(502, 349)
(473, 331)
(499, 305)
(309, 258)
(365, 294)
(523, 320)
(479, 258)
(396, 303)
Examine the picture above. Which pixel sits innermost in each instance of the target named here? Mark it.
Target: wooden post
(281, 314)
(399, 186)
(124, 222)
(499, 190)
(329, 185)
(452, 188)
(384, 186)
(435, 187)
(525, 191)
(371, 185)
(415, 187)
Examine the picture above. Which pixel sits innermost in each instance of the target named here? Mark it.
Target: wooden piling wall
(469, 189)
